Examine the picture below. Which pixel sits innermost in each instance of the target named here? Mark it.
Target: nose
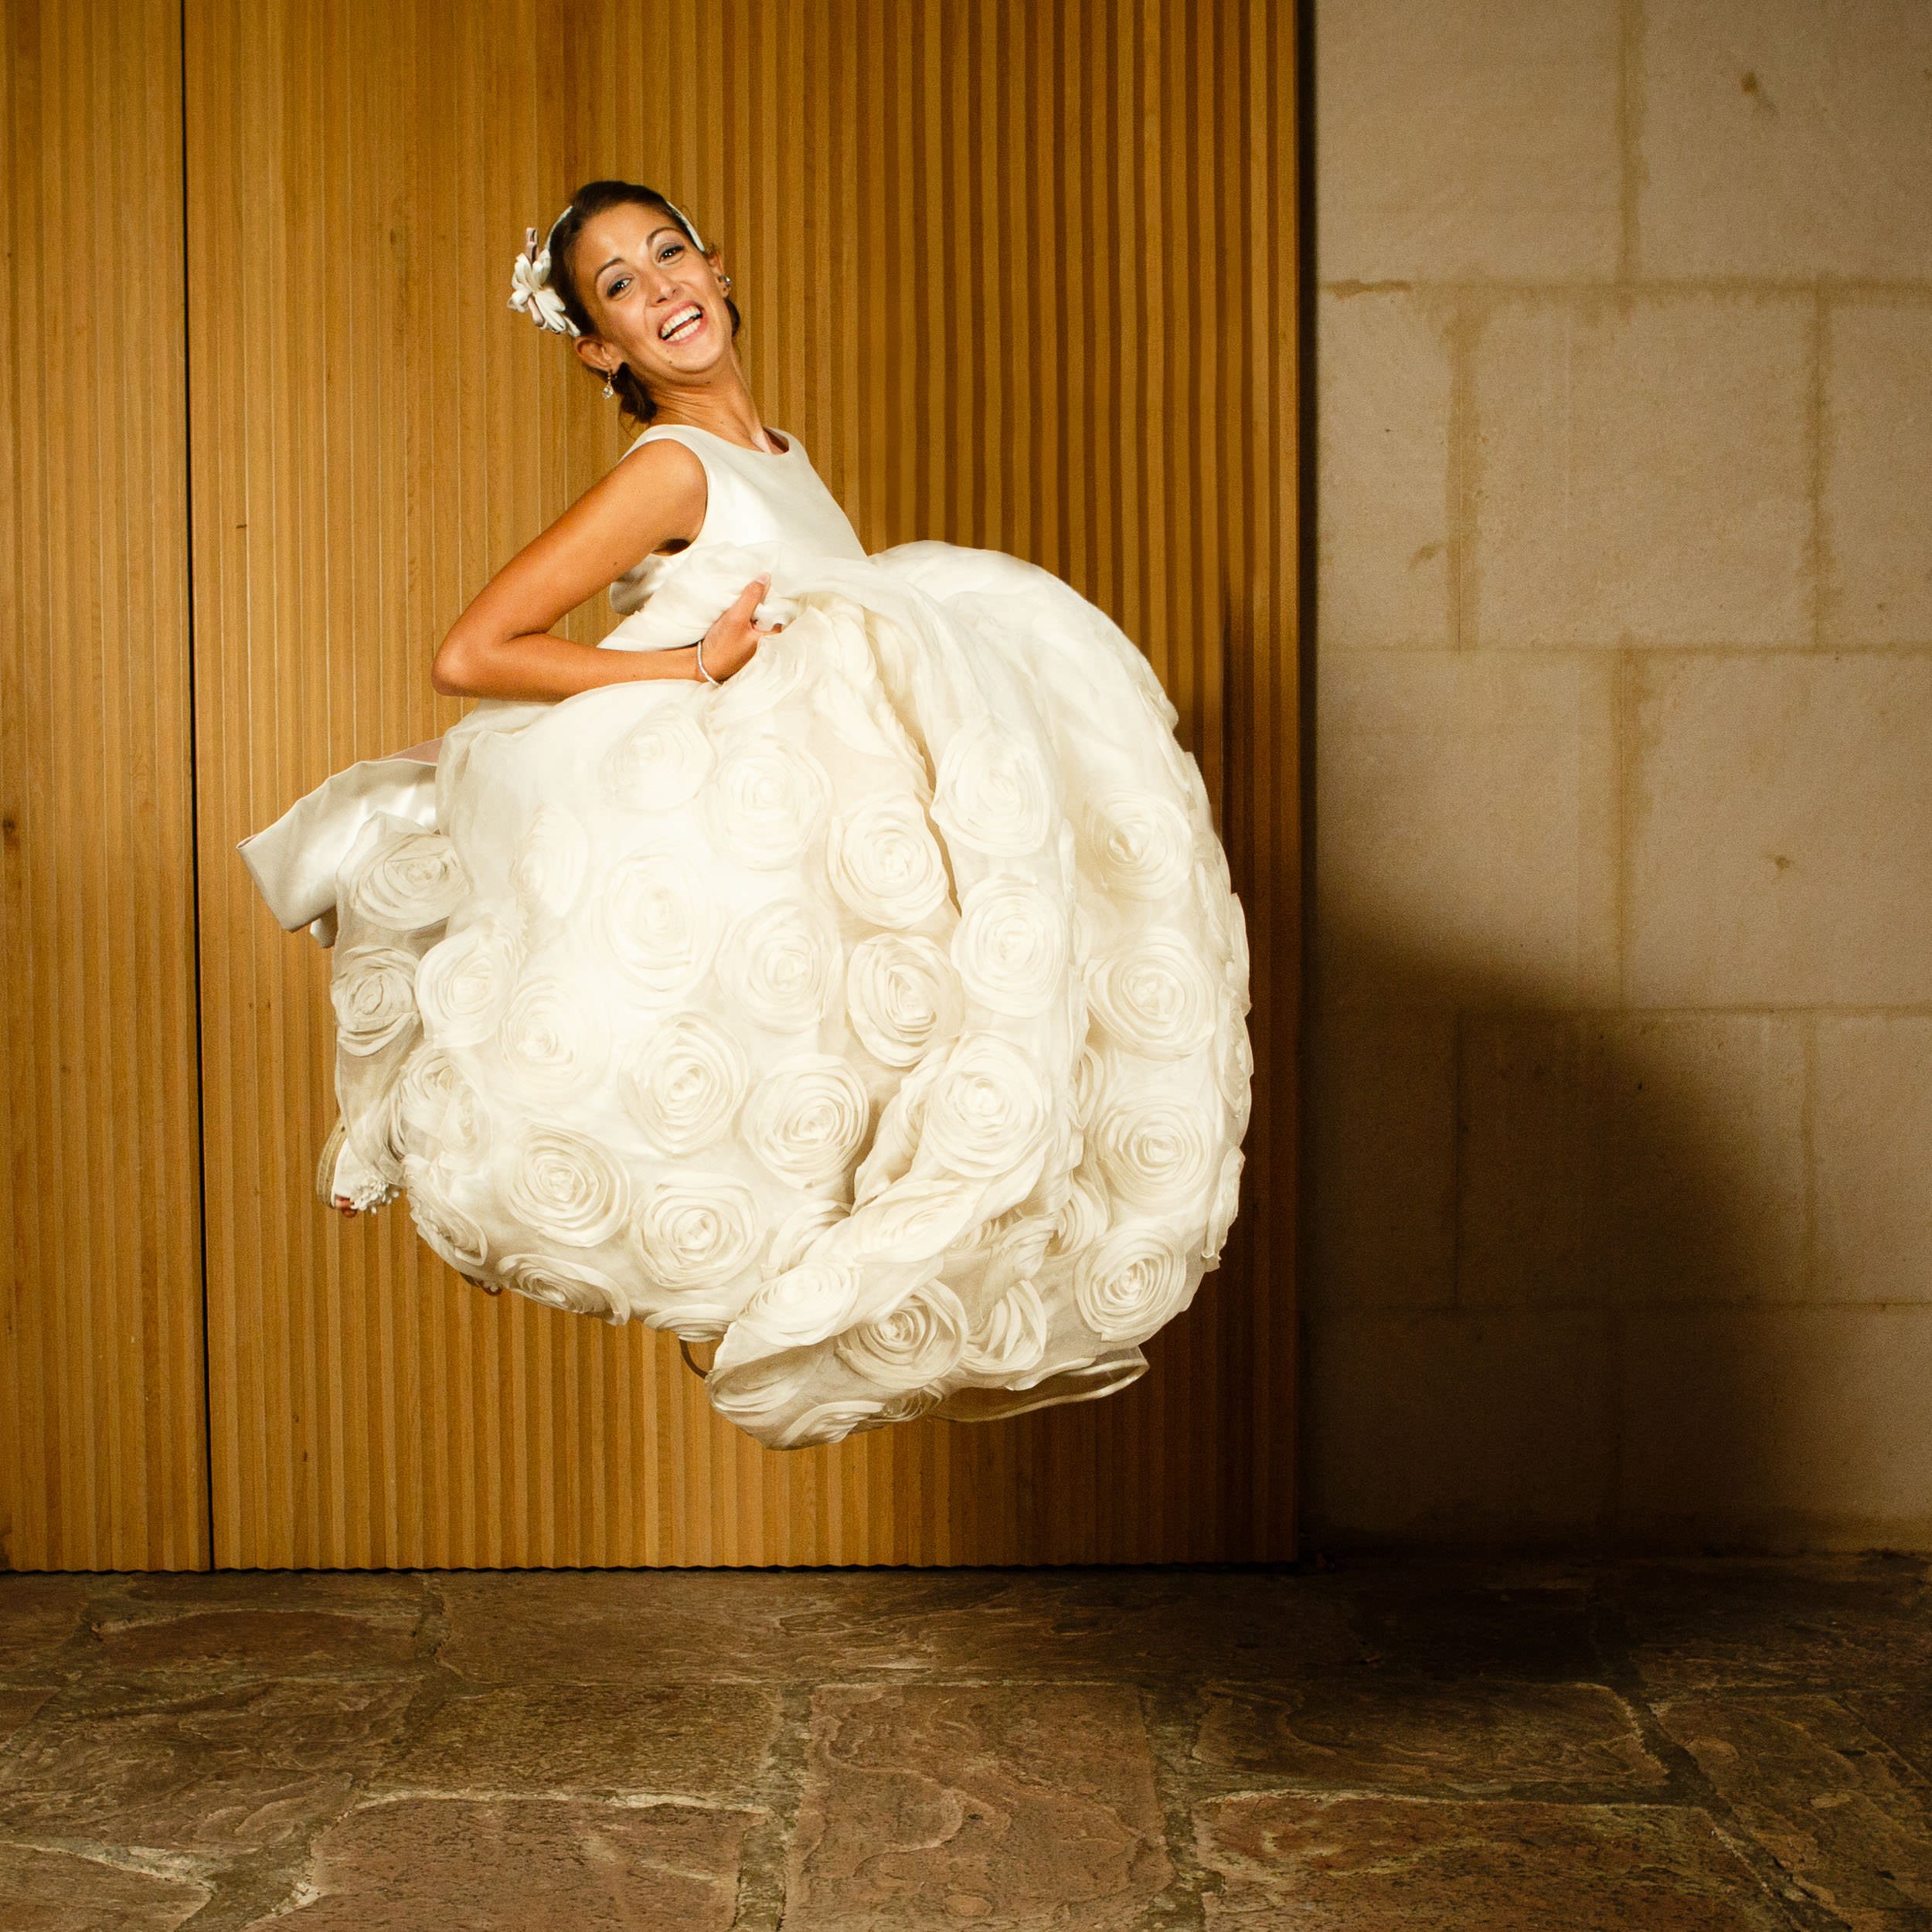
(664, 283)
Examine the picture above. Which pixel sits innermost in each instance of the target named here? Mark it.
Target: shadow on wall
(1563, 1287)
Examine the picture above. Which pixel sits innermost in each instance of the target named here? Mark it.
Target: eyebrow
(666, 230)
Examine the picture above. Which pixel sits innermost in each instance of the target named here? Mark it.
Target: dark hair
(634, 400)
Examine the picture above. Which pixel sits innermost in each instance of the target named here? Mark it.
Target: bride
(837, 966)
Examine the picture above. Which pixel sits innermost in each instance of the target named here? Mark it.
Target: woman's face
(639, 276)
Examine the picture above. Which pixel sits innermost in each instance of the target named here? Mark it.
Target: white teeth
(683, 325)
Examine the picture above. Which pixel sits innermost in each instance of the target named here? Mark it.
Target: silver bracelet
(702, 672)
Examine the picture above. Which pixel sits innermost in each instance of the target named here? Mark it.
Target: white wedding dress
(877, 1016)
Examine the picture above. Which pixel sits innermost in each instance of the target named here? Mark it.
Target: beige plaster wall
(1621, 1051)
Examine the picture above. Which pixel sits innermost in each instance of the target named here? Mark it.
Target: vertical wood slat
(102, 1426)
(1019, 277)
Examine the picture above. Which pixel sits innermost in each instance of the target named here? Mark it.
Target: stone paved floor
(1383, 1745)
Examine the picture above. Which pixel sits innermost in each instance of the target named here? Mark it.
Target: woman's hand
(733, 641)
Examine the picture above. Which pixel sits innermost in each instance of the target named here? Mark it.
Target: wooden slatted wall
(1019, 276)
(102, 1428)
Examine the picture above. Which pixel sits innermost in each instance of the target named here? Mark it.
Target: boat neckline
(777, 456)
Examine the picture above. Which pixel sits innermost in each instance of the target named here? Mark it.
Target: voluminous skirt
(878, 1016)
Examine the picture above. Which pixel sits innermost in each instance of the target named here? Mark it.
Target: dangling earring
(607, 374)
(724, 282)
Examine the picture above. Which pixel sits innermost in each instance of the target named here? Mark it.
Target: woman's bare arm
(500, 647)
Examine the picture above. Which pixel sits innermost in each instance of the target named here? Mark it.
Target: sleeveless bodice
(753, 497)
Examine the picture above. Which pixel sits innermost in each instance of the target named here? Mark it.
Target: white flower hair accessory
(530, 288)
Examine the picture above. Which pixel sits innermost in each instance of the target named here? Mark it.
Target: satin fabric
(294, 862)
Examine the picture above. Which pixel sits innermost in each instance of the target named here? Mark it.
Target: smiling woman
(658, 292)
(865, 1001)
(624, 272)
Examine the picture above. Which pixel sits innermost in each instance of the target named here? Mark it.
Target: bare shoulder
(662, 480)
(653, 495)
(650, 497)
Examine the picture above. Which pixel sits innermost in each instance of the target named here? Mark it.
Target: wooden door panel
(103, 1439)
(1020, 277)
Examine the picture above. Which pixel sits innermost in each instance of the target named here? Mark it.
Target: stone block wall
(1620, 1076)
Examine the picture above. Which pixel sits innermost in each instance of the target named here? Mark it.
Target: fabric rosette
(992, 792)
(1011, 1338)
(447, 1229)
(903, 997)
(988, 1113)
(814, 1300)
(463, 982)
(662, 928)
(781, 669)
(1010, 945)
(1237, 971)
(884, 862)
(780, 963)
(905, 1224)
(1154, 995)
(1234, 1069)
(554, 1041)
(1084, 1216)
(441, 1115)
(1158, 1152)
(807, 1120)
(405, 881)
(1142, 842)
(918, 1341)
(573, 1286)
(766, 800)
(699, 1231)
(1131, 1281)
(799, 1232)
(1221, 1209)
(659, 764)
(372, 988)
(567, 1187)
(682, 1085)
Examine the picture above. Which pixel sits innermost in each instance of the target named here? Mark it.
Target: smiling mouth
(683, 326)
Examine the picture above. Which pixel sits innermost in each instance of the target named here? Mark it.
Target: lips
(684, 323)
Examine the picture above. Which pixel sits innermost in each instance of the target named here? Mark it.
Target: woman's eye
(671, 248)
(616, 286)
